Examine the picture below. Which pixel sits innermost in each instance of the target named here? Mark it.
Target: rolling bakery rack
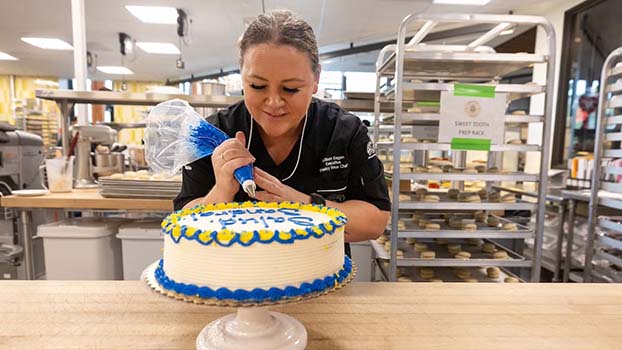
(417, 73)
(605, 263)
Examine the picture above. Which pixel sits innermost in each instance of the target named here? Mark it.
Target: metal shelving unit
(606, 188)
(426, 69)
(65, 99)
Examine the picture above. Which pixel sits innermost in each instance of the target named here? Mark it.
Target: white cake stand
(252, 327)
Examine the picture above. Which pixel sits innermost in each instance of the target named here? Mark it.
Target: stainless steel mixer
(86, 168)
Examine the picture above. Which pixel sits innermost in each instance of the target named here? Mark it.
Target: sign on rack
(472, 117)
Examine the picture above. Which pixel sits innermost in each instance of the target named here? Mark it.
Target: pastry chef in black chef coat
(303, 149)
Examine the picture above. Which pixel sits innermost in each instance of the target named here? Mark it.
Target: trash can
(82, 249)
(141, 244)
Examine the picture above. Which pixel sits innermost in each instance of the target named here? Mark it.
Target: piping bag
(176, 135)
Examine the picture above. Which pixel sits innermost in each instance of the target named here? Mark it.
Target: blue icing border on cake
(256, 295)
(227, 238)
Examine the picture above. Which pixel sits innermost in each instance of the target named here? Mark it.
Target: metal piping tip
(249, 187)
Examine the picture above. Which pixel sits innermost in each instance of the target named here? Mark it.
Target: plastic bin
(141, 244)
(82, 249)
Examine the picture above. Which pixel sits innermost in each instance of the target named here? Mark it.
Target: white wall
(554, 12)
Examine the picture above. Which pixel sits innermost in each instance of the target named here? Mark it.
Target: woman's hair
(281, 27)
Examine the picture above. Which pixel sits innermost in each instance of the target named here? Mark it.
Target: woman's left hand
(275, 191)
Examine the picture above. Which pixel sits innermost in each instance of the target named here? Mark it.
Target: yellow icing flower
(285, 236)
(246, 236)
(190, 231)
(225, 236)
(176, 232)
(328, 226)
(265, 235)
(301, 233)
(318, 232)
(247, 204)
(205, 237)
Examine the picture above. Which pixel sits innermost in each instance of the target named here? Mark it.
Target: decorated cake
(252, 253)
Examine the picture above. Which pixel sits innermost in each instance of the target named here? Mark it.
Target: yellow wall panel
(132, 114)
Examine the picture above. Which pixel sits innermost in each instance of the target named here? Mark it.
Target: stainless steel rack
(606, 189)
(65, 99)
(428, 69)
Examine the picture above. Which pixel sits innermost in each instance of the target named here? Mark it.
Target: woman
(303, 149)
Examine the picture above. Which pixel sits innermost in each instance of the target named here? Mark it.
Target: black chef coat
(337, 159)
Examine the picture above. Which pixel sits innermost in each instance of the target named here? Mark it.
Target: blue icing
(224, 293)
(244, 221)
(224, 223)
(289, 211)
(263, 220)
(235, 212)
(256, 295)
(275, 294)
(318, 285)
(301, 220)
(260, 211)
(241, 294)
(290, 291)
(277, 220)
(305, 288)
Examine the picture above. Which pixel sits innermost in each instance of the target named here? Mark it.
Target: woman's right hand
(227, 157)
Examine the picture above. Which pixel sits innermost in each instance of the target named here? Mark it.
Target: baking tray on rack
(613, 223)
(412, 118)
(616, 71)
(447, 147)
(446, 203)
(469, 177)
(483, 231)
(514, 91)
(138, 195)
(614, 256)
(611, 240)
(447, 274)
(137, 188)
(444, 259)
(460, 65)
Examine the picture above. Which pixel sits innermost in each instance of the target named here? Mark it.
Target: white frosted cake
(253, 252)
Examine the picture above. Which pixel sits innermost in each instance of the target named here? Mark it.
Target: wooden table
(128, 315)
(77, 200)
(88, 199)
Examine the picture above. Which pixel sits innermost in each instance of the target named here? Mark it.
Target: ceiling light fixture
(462, 2)
(154, 14)
(48, 43)
(158, 48)
(7, 57)
(507, 32)
(115, 70)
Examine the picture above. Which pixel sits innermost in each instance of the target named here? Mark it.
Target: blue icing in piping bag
(176, 135)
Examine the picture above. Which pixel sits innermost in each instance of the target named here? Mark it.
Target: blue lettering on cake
(277, 220)
(235, 212)
(263, 220)
(244, 221)
(226, 222)
(289, 211)
(301, 220)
